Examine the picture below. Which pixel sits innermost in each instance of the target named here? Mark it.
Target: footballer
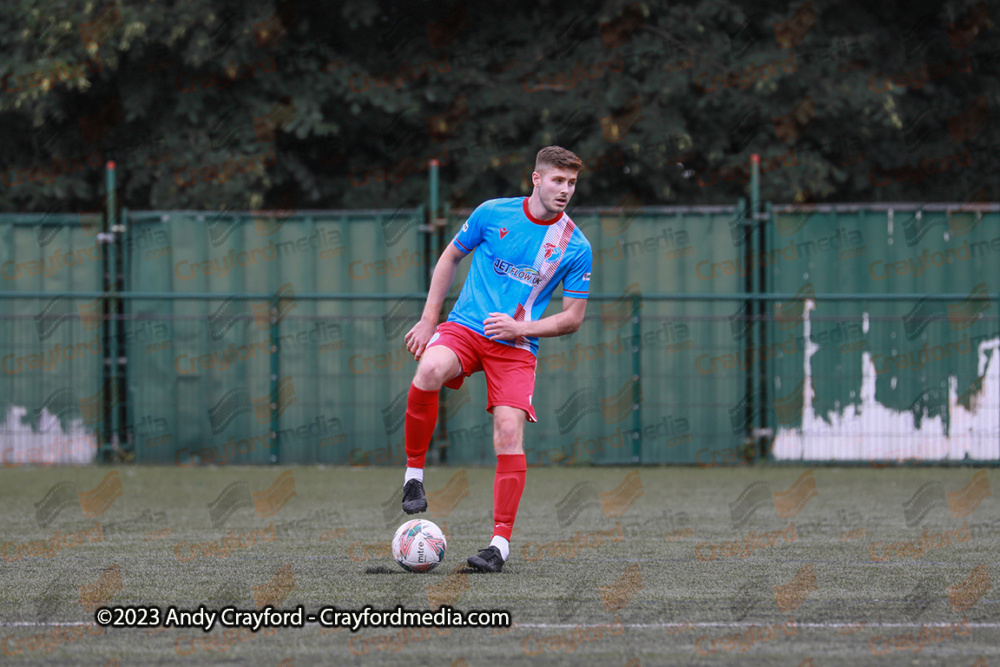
(523, 248)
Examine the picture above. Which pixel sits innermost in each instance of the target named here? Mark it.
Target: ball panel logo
(522, 274)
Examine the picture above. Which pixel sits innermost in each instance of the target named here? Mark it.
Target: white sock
(501, 543)
(413, 473)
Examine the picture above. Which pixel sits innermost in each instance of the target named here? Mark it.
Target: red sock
(421, 418)
(508, 484)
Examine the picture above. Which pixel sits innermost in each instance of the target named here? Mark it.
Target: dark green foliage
(308, 105)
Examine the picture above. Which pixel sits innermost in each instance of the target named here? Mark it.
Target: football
(419, 545)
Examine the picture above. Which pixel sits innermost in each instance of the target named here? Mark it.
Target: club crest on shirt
(503, 232)
(552, 252)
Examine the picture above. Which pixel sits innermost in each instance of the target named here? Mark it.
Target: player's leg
(510, 379)
(437, 365)
(508, 485)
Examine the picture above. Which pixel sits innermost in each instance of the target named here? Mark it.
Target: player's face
(555, 187)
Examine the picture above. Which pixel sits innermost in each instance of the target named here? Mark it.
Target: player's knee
(507, 438)
(429, 376)
(433, 371)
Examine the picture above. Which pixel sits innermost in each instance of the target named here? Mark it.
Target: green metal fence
(713, 337)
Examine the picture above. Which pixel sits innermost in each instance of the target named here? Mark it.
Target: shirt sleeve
(471, 233)
(576, 284)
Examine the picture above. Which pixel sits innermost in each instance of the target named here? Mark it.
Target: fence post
(275, 392)
(433, 188)
(767, 431)
(435, 245)
(124, 310)
(749, 312)
(110, 389)
(636, 380)
(759, 421)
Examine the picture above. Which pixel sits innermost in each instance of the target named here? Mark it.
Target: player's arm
(441, 281)
(500, 326)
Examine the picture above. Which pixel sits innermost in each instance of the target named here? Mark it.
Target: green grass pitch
(610, 566)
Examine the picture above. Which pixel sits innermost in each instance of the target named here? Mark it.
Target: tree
(217, 104)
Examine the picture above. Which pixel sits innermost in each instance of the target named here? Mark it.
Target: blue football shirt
(518, 263)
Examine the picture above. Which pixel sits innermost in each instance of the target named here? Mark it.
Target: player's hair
(556, 156)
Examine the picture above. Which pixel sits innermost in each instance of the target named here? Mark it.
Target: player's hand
(418, 337)
(501, 326)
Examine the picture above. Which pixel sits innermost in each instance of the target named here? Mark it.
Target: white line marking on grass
(641, 626)
(658, 626)
(28, 624)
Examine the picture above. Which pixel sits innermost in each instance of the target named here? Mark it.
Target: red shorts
(510, 371)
